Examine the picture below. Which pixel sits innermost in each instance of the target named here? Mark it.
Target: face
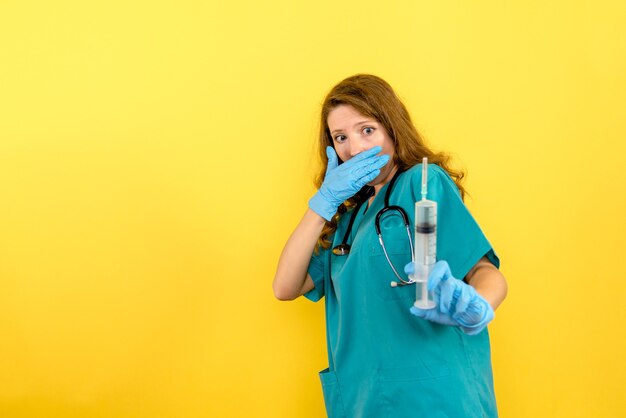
(353, 133)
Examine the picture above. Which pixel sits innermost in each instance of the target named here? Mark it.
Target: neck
(386, 180)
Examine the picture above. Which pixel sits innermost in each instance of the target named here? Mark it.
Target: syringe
(425, 243)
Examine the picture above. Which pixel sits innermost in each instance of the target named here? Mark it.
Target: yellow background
(155, 155)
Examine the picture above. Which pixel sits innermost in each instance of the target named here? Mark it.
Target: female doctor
(386, 357)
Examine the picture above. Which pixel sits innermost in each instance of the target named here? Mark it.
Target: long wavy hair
(373, 97)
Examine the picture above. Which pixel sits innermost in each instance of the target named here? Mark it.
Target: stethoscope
(344, 248)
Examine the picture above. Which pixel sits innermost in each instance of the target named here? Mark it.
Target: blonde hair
(373, 97)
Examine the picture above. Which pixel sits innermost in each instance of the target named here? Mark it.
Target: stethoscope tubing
(382, 244)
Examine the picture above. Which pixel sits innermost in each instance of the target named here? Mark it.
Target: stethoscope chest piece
(341, 249)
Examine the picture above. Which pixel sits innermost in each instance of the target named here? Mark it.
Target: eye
(368, 130)
(340, 138)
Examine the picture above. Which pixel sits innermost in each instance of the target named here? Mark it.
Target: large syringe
(425, 243)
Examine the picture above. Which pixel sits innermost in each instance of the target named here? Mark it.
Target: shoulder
(438, 179)
(433, 171)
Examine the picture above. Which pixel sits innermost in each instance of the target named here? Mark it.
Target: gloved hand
(457, 303)
(343, 181)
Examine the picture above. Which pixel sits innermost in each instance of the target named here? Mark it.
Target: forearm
(290, 280)
(489, 282)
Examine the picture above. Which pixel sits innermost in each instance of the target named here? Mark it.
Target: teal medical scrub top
(383, 361)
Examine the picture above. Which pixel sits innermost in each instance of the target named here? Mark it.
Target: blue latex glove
(341, 182)
(457, 303)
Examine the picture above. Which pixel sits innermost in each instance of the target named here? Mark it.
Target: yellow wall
(155, 155)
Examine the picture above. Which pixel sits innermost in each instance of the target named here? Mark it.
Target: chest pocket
(399, 253)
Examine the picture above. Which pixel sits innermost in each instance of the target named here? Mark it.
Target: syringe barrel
(425, 232)
(425, 250)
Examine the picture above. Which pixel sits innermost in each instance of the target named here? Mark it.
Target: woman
(387, 357)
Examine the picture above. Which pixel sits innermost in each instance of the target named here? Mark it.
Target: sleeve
(316, 270)
(460, 241)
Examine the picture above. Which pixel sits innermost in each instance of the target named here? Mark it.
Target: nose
(356, 147)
